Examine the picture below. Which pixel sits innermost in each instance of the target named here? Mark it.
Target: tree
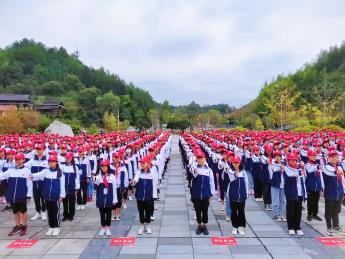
(108, 102)
(259, 126)
(191, 110)
(164, 113)
(29, 118)
(154, 116)
(214, 117)
(72, 82)
(109, 121)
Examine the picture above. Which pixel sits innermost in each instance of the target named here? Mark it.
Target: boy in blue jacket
(19, 192)
(203, 189)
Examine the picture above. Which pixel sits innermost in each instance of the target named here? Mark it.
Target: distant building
(15, 99)
(50, 107)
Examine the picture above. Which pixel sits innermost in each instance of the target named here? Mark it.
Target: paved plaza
(173, 231)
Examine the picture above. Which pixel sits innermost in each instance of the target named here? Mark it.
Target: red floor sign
(22, 244)
(223, 241)
(122, 241)
(331, 241)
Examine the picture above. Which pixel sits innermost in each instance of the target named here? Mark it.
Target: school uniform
(203, 188)
(277, 189)
(53, 188)
(265, 181)
(85, 168)
(19, 188)
(106, 196)
(295, 192)
(314, 185)
(333, 193)
(93, 167)
(146, 192)
(4, 166)
(36, 165)
(256, 170)
(72, 185)
(247, 163)
(237, 193)
(223, 180)
(122, 182)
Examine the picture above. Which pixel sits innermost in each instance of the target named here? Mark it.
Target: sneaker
(234, 231)
(219, 199)
(227, 218)
(56, 232)
(117, 218)
(340, 230)
(15, 230)
(280, 219)
(292, 232)
(316, 217)
(107, 232)
(223, 207)
(268, 207)
(309, 217)
(44, 215)
(148, 230)
(78, 207)
(82, 207)
(36, 216)
(241, 231)
(194, 217)
(124, 205)
(259, 199)
(49, 232)
(276, 217)
(23, 230)
(199, 230)
(101, 232)
(113, 218)
(299, 232)
(330, 232)
(130, 198)
(141, 231)
(283, 219)
(152, 218)
(205, 231)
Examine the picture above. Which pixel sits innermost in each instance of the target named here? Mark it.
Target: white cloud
(207, 51)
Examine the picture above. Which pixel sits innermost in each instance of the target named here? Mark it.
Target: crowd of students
(55, 170)
(281, 169)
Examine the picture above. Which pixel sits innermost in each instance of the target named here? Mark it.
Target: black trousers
(313, 203)
(257, 188)
(105, 214)
(201, 210)
(82, 193)
(332, 210)
(3, 188)
(238, 216)
(145, 209)
(39, 202)
(53, 209)
(69, 206)
(266, 192)
(294, 213)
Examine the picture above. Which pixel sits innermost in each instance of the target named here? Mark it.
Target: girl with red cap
(18, 193)
(238, 191)
(146, 181)
(53, 193)
(83, 164)
(106, 196)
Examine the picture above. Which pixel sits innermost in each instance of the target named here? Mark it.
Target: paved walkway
(173, 231)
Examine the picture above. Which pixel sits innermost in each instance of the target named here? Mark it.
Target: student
(277, 186)
(295, 192)
(222, 164)
(83, 164)
(226, 182)
(19, 192)
(36, 165)
(53, 192)
(333, 177)
(238, 193)
(106, 196)
(6, 163)
(203, 188)
(72, 186)
(93, 167)
(120, 172)
(314, 185)
(266, 160)
(256, 169)
(146, 181)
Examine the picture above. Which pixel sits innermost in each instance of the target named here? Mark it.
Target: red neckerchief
(340, 178)
(105, 181)
(117, 170)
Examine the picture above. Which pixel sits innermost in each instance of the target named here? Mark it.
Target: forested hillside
(29, 67)
(314, 96)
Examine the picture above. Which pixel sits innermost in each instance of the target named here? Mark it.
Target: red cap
(200, 155)
(19, 156)
(311, 153)
(11, 152)
(236, 159)
(145, 159)
(278, 153)
(40, 147)
(53, 158)
(80, 149)
(53, 153)
(69, 155)
(291, 156)
(332, 153)
(105, 163)
(116, 154)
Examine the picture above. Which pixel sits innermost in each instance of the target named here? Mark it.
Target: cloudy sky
(215, 51)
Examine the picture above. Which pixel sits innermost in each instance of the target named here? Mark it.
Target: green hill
(312, 96)
(29, 67)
